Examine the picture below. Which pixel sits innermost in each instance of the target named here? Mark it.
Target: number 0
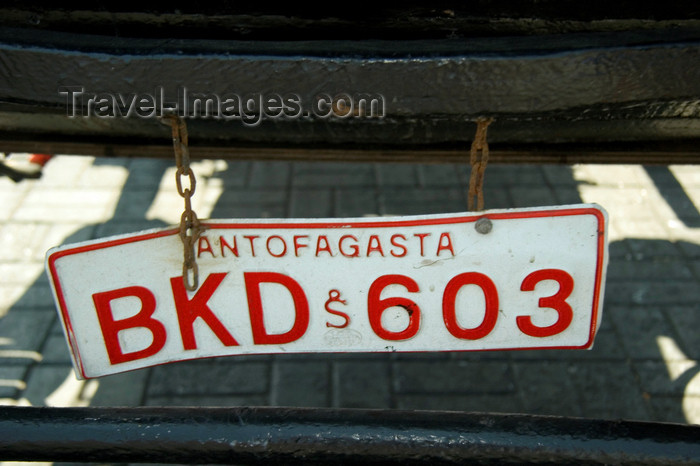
(556, 302)
(490, 313)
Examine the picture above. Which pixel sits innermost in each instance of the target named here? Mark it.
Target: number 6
(376, 306)
(556, 302)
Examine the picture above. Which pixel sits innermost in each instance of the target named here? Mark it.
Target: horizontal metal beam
(323, 436)
(409, 20)
(663, 153)
(549, 72)
(551, 89)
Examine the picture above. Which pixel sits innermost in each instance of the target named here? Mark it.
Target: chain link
(479, 158)
(190, 227)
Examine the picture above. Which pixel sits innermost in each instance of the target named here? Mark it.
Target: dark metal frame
(611, 82)
(323, 436)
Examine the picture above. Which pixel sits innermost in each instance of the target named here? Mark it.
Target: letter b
(142, 319)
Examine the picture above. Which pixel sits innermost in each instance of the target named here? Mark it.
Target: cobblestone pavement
(644, 365)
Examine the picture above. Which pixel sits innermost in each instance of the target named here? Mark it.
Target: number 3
(556, 302)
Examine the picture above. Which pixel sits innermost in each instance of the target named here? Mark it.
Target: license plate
(495, 280)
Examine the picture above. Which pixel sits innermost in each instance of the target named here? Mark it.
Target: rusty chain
(479, 158)
(190, 227)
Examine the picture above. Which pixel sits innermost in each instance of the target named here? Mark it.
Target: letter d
(143, 319)
(301, 308)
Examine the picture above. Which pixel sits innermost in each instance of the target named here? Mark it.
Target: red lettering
(298, 245)
(404, 251)
(252, 239)
(556, 302)
(376, 247)
(142, 319)
(224, 244)
(334, 297)
(188, 310)
(490, 313)
(377, 306)
(257, 323)
(207, 248)
(421, 236)
(445, 247)
(284, 246)
(353, 247)
(326, 247)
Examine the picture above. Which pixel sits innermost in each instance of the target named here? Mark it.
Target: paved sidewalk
(644, 365)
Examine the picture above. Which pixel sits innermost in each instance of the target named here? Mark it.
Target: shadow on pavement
(640, 368)
(32, 325)
(674, 194)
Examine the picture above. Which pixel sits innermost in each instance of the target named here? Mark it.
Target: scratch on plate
(428, 262)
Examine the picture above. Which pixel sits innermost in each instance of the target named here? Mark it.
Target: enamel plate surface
(496, 280)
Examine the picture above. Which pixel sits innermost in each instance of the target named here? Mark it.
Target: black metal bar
(650, 153)
(549, 72)
(324, 436)
(296, 21)
(630, 87)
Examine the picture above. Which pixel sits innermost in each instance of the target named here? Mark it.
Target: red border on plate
(350, 224)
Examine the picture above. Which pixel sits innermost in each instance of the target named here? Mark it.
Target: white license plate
(522, 279)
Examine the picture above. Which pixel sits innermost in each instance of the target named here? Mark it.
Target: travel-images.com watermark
(250, 109)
